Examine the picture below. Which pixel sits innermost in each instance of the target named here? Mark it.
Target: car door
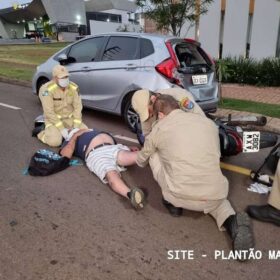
(197, 73)
(116, 71)
(82, 58)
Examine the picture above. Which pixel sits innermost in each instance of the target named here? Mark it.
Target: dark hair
(165, 104)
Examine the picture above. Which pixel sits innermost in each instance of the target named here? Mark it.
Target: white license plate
(199, 79)
(251, 141)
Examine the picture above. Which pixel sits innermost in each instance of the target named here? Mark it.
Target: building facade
(67, 18)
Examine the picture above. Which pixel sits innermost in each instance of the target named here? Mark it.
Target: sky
(9, 3)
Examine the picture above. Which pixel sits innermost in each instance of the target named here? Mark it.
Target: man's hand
(134, 149)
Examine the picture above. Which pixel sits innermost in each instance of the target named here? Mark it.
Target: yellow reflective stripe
(52, 87)
(77, 121)
(59, 116)
(70, 116)
(73, 86)
(48, 125)
(59, 124)
(235, 168)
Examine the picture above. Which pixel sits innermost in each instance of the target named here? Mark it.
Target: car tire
(130, 116)
(41, 82)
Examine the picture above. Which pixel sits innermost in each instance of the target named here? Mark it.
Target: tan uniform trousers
(274, 198)
(220, 210)
(52, 135)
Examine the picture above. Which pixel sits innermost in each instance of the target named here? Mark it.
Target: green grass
(19, 61)
(270, 110)
(17, 71)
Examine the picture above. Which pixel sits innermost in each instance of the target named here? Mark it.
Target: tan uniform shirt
(179, 94)
(189, 151)
(59, 105)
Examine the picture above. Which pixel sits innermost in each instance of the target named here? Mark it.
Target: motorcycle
(234, 138)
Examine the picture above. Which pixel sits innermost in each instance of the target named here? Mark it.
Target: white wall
(119, 12)
(265, 28)
(97, 27)
(209, 29)
(235, 28)
(3, 31)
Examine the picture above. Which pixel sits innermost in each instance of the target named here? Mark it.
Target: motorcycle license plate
(251, 141)
(199, 79)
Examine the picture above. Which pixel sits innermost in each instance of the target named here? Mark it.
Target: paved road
(70, 226)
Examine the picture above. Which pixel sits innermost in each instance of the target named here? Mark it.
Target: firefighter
(62, 107)
(146, 98)
(269, 212)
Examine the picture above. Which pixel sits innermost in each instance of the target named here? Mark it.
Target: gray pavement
(71, 226)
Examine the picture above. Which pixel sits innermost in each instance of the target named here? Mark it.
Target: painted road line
(126, 138)
(235, 168)
(10, 106)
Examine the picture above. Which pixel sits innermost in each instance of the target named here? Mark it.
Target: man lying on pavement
(105, 158)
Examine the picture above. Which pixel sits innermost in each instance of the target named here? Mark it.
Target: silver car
(110, 67)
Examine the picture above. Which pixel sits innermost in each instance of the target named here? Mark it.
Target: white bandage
(71, 133)
(64, 133)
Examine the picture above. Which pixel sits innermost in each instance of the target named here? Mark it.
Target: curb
(15, 82)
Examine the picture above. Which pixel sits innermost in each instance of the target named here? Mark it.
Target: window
(99, 16)
(147, 48)
(121, 48)
(86, 51)
(189, 55)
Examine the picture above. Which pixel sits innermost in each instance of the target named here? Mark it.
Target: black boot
(265, 213)
(37, 130)
(239, 228)
(174, 211)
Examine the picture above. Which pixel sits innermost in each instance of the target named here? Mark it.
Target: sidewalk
(264, 95)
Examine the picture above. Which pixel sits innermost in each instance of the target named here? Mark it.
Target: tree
(170, 15)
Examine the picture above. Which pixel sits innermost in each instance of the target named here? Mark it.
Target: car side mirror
(63, 60)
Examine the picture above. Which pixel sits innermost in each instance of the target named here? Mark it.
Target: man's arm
(48, 108)
(149, 148)
(68, 150)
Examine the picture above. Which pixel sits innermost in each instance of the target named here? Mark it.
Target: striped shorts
(104, 159)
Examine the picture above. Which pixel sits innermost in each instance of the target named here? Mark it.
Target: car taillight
(169, 66)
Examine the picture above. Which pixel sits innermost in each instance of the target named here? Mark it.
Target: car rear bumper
(209, 106)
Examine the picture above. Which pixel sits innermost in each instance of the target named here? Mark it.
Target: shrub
(249, 71)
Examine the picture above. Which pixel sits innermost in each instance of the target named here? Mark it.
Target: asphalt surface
(71, 226)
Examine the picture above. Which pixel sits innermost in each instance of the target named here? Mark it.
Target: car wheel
(41, 82)
(130, 116)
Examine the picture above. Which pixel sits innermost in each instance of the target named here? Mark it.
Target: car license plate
(251, 141)
(199, 79)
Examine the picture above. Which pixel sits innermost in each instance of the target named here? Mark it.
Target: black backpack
(45, 162)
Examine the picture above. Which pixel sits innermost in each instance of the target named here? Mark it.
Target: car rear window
(121, 48)
(192, 59)
(147, 48)
(188, 55)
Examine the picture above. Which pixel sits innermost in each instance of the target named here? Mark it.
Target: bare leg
(136, 196)
(116, 183)
(126, 158)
